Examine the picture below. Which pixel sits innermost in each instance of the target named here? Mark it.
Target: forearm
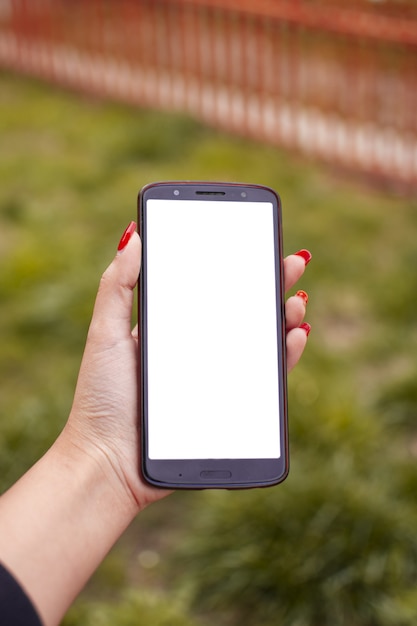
(58, 522)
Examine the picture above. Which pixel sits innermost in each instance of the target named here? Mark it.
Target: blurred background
(317, 99)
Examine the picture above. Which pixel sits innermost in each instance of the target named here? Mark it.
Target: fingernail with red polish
(305, 326)
(126, 236)
(305, 254)
(302, 294)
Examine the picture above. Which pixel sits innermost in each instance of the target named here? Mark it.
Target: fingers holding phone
(297, 329)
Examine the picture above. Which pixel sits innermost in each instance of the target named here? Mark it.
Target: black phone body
(212, 373)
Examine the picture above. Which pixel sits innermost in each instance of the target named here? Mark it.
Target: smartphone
(212, 374)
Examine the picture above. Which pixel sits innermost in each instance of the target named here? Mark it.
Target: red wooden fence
(335, 80)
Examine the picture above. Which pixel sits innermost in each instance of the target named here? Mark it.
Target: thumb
(112, 313)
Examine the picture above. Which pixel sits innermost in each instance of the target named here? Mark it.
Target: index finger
(294, 266)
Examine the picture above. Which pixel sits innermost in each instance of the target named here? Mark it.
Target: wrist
(60, 520)
(95, 468)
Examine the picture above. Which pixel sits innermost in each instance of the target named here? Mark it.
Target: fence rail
(336, 81)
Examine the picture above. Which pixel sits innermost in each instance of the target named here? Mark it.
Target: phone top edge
(191, 184)
(204, 182)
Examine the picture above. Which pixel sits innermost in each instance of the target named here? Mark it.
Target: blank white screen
(212, 330)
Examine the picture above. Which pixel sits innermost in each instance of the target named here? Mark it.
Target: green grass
(70, 171)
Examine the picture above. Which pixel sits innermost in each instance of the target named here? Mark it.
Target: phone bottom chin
(212, 474)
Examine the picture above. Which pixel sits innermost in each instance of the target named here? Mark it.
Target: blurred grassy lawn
(70, 171)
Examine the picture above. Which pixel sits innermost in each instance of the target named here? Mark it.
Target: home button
(215, 474)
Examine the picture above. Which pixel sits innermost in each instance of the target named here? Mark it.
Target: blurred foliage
(134, 608)
(336, 543)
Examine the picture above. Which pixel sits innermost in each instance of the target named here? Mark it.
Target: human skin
(61, 518)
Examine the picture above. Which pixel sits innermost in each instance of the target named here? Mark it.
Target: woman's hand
(104, 418)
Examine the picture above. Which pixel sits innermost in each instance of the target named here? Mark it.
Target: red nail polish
(126, 236)
(305, 254)
(306, 326)
(302, 294)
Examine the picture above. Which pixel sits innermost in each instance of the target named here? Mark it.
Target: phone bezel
(212, 473)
